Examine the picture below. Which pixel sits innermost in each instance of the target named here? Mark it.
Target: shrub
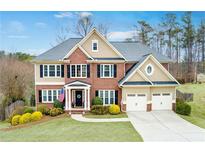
(97, 101)
(99, 109)
(42, 108)
(25, 118)
(61, 111)
(58, 104)
(19, 110)
(35, 116)
(28, 110)
(47, 111)
(114, 109)
(15, 120)
(55, 111)
(179, 100)
(183, 108)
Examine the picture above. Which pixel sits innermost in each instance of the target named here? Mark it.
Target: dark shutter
(62, 70)
(68, 71)
(39, 96)
(98, 70)
(88, 70)
(96, 93)
(41, 71)
(115, 70)
(116, 96)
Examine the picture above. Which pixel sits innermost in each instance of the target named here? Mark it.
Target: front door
(78, 98)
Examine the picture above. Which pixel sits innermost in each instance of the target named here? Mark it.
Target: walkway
(79, 117)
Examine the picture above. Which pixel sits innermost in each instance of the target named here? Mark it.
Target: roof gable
(139, 67)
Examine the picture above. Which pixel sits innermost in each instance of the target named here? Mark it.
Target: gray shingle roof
(132, 51)
(59, 51)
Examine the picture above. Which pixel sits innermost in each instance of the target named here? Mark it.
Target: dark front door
(78, 98)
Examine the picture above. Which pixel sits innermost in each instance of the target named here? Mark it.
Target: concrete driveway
(165, 126)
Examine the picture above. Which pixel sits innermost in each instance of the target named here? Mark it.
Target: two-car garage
(158, 98)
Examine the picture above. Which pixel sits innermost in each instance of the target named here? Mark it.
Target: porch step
(76, 112)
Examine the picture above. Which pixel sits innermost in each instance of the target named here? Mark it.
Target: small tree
(97, 101)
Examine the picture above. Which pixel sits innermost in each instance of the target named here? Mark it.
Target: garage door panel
(162, 101)
(136, 102)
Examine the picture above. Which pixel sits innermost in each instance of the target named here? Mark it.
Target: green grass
(197, 116)
(90, 115)
(67, 129)
(4, 124)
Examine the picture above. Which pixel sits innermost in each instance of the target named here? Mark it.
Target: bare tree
(84, 25)
(62, 34)
(103, 29)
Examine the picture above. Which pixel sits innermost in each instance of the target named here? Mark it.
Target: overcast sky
(35, 32)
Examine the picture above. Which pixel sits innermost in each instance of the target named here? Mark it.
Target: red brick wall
(166, 65)
(78, 57)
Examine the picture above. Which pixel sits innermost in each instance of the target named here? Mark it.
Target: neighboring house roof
(132, 51)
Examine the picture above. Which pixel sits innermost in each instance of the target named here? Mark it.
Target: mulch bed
(44, 119)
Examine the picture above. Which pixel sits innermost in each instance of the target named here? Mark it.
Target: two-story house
(125, 73)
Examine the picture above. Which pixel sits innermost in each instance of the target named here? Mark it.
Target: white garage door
(136, 102)
(161, 101)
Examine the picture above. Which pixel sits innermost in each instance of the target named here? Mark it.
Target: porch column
(85, 103)
(66, 99)
(69, 99)
(88, 98)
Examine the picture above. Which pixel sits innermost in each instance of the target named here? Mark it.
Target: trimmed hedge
(114, 109)
(25, 118)
(183, 108)
(97, 101)
(99, 109)
(15, 120)
(35, 116)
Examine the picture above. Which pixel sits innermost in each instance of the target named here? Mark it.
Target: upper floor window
(78, 71)
(107, 70)
(95, 45)
(51, 70)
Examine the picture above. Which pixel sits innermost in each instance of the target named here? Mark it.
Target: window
(149, 69)
(50, 95)
(95, 45)
(78, 71)
(52, 70)
(108, 96)
(107, 70)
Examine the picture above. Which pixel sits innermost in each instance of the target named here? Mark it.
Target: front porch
(77, 96)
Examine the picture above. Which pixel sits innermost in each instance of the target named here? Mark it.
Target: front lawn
(66, 129)
(197, 116)
(90, 115)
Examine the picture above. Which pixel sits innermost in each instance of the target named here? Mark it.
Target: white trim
(48, 69)
(143, 76)
(51, 95)
(152, 69)
(76, 70)
(111, 71)
(108, 97)
(74, 48)
(164, 70)
(95, 41)
(50, 83)
(77, 82)
(86, 37)
(168, 85)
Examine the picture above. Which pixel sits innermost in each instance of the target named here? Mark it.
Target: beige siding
(158, 74)
(136, 77)
(104, 50)
(53, 79)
